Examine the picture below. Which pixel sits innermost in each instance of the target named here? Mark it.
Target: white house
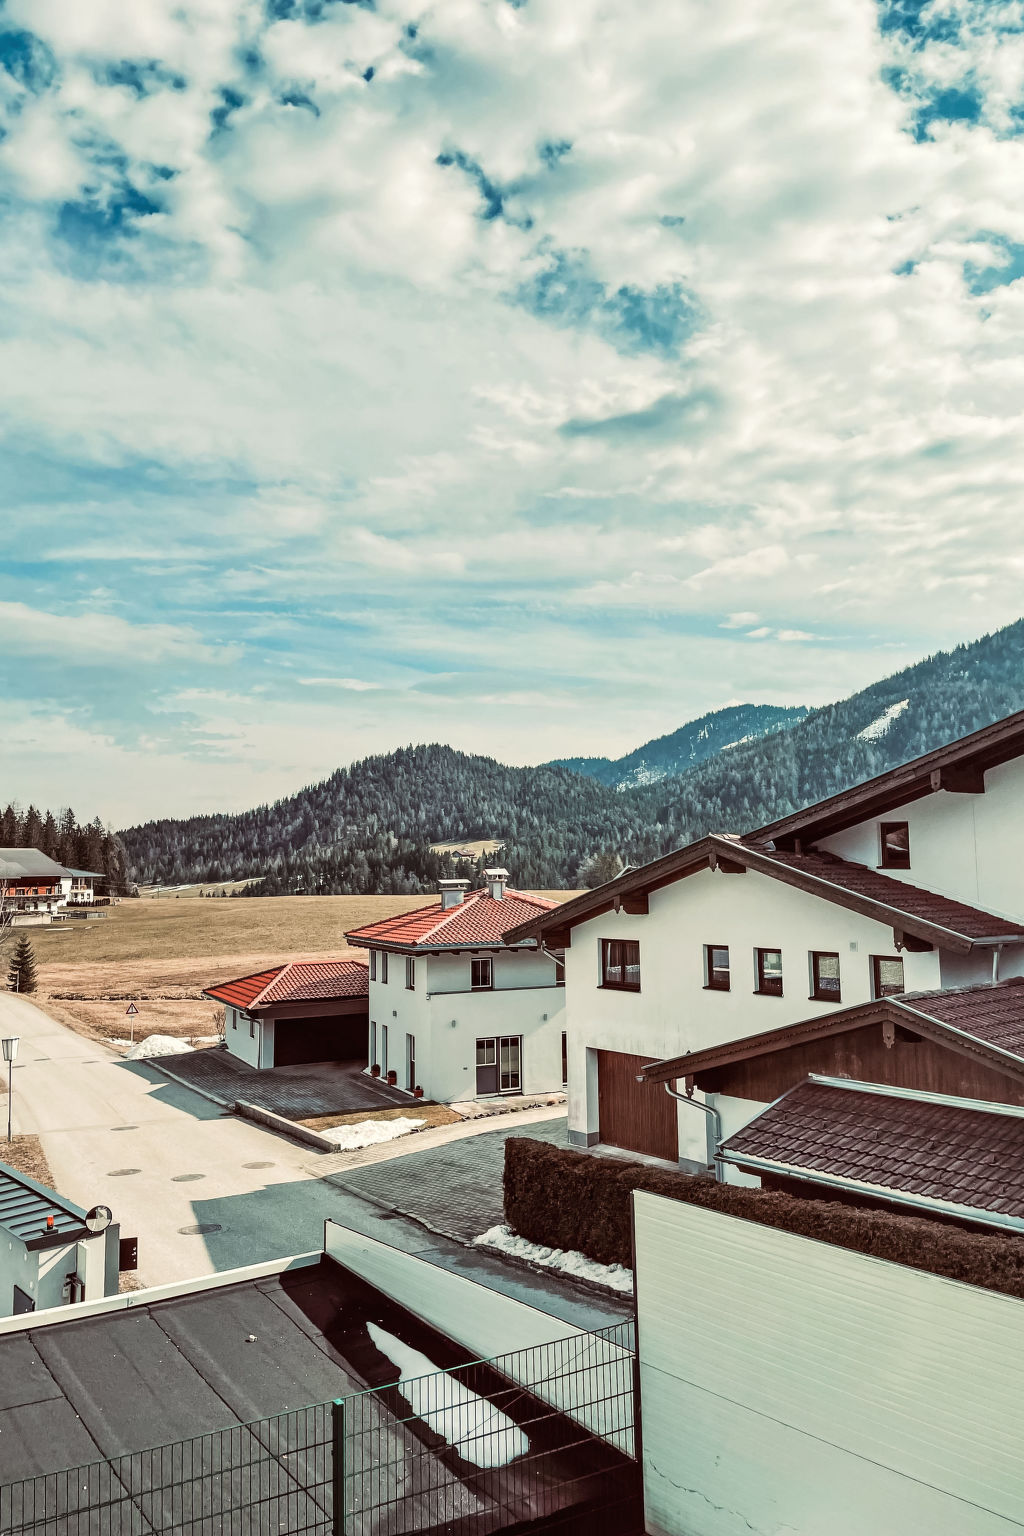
(456, 1011)
(911, 881)
(36, 888)
(298, 1011)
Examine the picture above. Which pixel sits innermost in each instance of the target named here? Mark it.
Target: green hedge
(578, 1201)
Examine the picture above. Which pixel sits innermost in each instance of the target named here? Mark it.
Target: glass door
(410, 1062)
(511, 1062)
(383, 1050)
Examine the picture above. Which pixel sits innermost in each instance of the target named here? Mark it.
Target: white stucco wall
(41, 1272)
(967, 846)
(674, 1012)
(239, 1042)
(524, 1001)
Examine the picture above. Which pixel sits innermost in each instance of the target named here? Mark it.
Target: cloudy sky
(528, 374)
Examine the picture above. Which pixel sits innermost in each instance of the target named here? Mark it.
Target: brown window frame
(710, 984)
(608, 948)
(886, 860)
(761, 990)
(817, 994)
(877, 995)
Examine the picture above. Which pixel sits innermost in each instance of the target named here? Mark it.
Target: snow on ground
(157, 1045)
(504, 1240)
(367, 1133)
(473, 1426)
(878, 727)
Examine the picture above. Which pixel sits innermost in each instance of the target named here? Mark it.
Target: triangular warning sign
(130, 1010)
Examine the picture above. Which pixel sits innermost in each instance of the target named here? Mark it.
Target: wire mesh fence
(479, 1448)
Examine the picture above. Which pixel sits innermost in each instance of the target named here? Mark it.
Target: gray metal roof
(24, 863)
(25, 1205)
(93, 874)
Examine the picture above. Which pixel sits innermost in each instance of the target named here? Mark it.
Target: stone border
(284, 1126)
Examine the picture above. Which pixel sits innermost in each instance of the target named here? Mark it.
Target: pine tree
(22, 975)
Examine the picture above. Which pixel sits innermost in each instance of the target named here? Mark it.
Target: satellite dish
(99, 1218)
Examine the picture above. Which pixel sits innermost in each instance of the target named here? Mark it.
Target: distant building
(452, 1008)
(37, 888)
(306, 1010)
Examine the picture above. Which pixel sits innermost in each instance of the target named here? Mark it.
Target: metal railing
(531, 1435)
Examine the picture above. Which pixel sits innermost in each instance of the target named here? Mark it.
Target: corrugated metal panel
(868, 1365)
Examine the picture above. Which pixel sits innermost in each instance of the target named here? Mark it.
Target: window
(769, 971)
(620, 964)
(559, 955)
(499, 1064)
(565, 1058)
(895, 838)
(373, 965)
(384, 967)
(234, 1018)
(482, 975)
(410, 973)
(373, 1042)
(410, 1062)
(825, 986)
(886, 976)
(383, 1050)
(252, 1029)
(716, 967)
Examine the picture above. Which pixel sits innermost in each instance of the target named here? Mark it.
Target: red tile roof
(899, 896)
(298, 981)
(478, 919)
(930, 1149)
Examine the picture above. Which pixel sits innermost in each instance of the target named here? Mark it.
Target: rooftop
(478, 919)
(27, 864)
(295, 981)
(934, 1150)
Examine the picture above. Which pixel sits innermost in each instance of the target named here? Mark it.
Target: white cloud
(88, 639)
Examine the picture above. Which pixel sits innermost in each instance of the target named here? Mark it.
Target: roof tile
(478, 919)
(297, 981)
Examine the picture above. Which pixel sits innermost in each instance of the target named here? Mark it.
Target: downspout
(997, 950)
(713, 1117)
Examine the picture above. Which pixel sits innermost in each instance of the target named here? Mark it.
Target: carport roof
(296, 981)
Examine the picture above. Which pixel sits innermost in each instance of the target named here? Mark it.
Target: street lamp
(10, 1049)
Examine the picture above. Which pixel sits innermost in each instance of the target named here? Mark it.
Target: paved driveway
(298, 1093)
(454, 1189)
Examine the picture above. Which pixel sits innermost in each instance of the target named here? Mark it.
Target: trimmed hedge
(575, 1200)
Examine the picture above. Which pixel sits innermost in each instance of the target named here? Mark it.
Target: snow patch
(473, 1426)
(568, 1261)
(369, 1133)
(157, 1045)
(878, 727)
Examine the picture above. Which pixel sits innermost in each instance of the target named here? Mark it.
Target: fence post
(338, 1464)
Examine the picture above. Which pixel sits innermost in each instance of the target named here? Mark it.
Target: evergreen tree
(22, 975)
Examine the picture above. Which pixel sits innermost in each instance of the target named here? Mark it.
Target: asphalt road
(167, 1161)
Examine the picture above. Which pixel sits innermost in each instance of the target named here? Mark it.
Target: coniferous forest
(368, 828)
(76, 845)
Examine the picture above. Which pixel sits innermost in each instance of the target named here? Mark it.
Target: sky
(525, 375)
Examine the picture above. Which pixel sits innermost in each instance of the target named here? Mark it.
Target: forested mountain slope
(369, 827)
(693, 743)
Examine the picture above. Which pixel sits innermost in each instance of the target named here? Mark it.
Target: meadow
(162, 953)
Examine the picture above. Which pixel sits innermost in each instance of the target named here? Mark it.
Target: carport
(298, 1012)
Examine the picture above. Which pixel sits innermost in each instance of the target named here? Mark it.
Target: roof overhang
(959, 767)
(840, 1021)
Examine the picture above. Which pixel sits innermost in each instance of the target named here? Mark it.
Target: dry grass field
(162, 953)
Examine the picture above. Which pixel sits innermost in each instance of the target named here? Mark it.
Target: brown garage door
(342, 1038)
(638, 1116)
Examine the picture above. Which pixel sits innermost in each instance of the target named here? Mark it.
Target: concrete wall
(41, 1272)
(674, 1012)
(790, 1386)
(524, 1002)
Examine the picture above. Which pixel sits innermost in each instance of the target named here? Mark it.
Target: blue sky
(528, 376)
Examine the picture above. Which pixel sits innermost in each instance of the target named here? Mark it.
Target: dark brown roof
(897, 896)
(956, 762)
(923, 914)
(984, 1022)
(884, 1140)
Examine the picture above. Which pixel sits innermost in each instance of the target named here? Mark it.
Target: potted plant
(417, 1092)
(392, 1077)
(375, 1069)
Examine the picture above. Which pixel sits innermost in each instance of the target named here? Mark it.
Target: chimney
(497, 879)
(452, 892)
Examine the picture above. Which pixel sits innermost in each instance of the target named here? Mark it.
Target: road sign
(131, 1011)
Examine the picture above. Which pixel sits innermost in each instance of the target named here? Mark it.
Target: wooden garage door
(638, 1116)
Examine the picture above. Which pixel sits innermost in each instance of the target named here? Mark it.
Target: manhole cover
(124, 1127)
(122, 1173)
(201, 1229)
(186, 1178)
(257, 1165)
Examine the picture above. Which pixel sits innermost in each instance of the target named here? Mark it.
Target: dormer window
(895, 837)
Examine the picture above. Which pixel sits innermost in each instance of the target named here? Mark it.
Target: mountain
(369, 827)
(692, 744)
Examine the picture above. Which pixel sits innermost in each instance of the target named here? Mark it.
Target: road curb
(284, 1126)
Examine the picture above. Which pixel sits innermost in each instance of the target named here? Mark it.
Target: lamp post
(10, 1049)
